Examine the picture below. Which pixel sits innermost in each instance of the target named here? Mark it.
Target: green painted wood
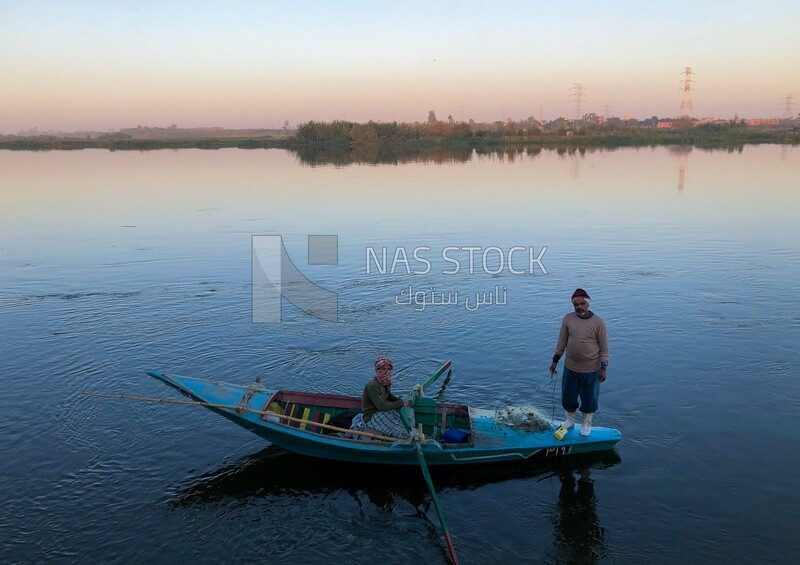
(436, 375)
(426, 474)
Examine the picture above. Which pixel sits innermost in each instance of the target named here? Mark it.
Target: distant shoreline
(699, 136)
(72, 144)
(553, 142)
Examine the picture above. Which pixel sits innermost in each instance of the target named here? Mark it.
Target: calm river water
(114, 263)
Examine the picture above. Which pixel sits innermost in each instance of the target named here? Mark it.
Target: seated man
(379, 405)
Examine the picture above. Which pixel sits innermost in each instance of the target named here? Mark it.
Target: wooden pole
(235, 407)
(451, 550)
(436, 375)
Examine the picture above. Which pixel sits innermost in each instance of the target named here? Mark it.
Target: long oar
(425, 473)
(444, 385)
(436, 375)
(238, 407)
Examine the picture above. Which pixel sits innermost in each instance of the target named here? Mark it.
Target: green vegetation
(342, 142)
(586, 133)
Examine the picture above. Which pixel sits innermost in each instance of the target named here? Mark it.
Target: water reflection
(579, 537)
(275, 475)
(682, 151)
(393, 155)
(276, 472)
(380, 155)
(200, 196)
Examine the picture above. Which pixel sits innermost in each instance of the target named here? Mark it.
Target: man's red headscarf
(383, 371)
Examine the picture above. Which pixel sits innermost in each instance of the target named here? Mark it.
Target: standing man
(584, 337)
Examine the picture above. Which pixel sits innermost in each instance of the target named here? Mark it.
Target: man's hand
(552, 368)
(602, 376)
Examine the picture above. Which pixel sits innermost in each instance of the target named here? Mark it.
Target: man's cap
(580, 293)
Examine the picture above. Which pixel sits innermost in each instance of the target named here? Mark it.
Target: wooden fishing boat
(449, 434)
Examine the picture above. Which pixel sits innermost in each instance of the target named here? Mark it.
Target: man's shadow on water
(578, 535)
(274, 472)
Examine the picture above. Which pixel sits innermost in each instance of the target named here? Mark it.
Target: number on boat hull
(557, 451)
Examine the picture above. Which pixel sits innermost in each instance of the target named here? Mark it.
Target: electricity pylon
(686, 104)
(788, 110)
(577, 98)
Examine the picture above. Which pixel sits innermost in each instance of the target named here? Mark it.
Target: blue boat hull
(491, 441)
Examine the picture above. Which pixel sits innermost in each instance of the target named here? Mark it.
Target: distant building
(762, 122)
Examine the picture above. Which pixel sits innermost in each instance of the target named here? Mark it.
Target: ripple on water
(704, 364)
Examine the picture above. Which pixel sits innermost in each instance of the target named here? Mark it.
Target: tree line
(590, 129)
(391, 137)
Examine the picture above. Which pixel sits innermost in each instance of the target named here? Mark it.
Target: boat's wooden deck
(312, 409)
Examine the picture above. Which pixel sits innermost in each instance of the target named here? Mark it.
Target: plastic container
(454, 435)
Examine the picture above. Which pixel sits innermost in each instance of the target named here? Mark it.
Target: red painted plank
(317, 418)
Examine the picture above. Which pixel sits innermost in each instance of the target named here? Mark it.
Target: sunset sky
(100, 65)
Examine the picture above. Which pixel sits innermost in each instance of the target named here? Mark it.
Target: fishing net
(527, 418)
